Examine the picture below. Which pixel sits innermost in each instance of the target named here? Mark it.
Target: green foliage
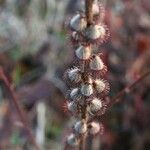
(15, 139)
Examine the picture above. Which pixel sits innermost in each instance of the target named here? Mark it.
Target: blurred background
(35, 52)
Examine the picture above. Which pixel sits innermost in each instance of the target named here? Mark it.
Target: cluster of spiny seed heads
(87, 83)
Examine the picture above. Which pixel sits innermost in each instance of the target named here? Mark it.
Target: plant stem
(16, 103)
(89, 142)
(89, 18)
(84, 117)
(88, 8)
(82, 143)
(127, 89)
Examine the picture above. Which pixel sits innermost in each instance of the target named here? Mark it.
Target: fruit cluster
(87, 83)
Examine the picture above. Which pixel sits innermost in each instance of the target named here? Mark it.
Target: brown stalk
(82, 142)
(88, 8)
(89, 142)
(89, 18)
(127, 89)
(19, 109)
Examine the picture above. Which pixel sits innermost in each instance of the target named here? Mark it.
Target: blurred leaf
(17, 75)
(15, 53)
(15, 138)
(53, 131)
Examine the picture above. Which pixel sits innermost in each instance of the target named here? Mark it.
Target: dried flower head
(96, 63)
(74, 75)
(72, 140)
(97, 66)
(94, 128)
(95, 105)
(83, 52)
(78, 23)
(80, 127)
(87, 89)
(75, 94)
(95, 32)
(72, 107)
(99, 85)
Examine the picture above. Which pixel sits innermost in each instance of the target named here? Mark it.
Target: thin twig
(89, 18)
(89, 15)
(127, 89)
(82, 143)
(16, 103)
(89, 142)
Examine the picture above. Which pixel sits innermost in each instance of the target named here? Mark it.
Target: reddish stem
(89, 15)
(19, 109)
(127, 89)
(89, 18)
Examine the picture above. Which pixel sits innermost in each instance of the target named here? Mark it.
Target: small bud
(94, 127)
(83, 52)
(95, 32)
(72, 140)
(80, 127)
(72, 107)
(75, 36)
(87, 89)
(96, 105)
(75, 94)
(74, 75)
(96, 63)
(100, 85)
(78, 23)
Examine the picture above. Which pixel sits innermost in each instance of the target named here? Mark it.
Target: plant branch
(89, 142)
(82, 142)
(16, 103)
(127, 89)
(89, 15)
(89, 18)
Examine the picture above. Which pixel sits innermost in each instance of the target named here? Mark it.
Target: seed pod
(72, 140)
(72, 107)
(75, 94)
(95, 105)
(100, 85)
(83, 52)
(80, 127)
(78, 23)
(96, 63)
(87, 89)
(95, 32)
(74, 75)
(94, 127)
